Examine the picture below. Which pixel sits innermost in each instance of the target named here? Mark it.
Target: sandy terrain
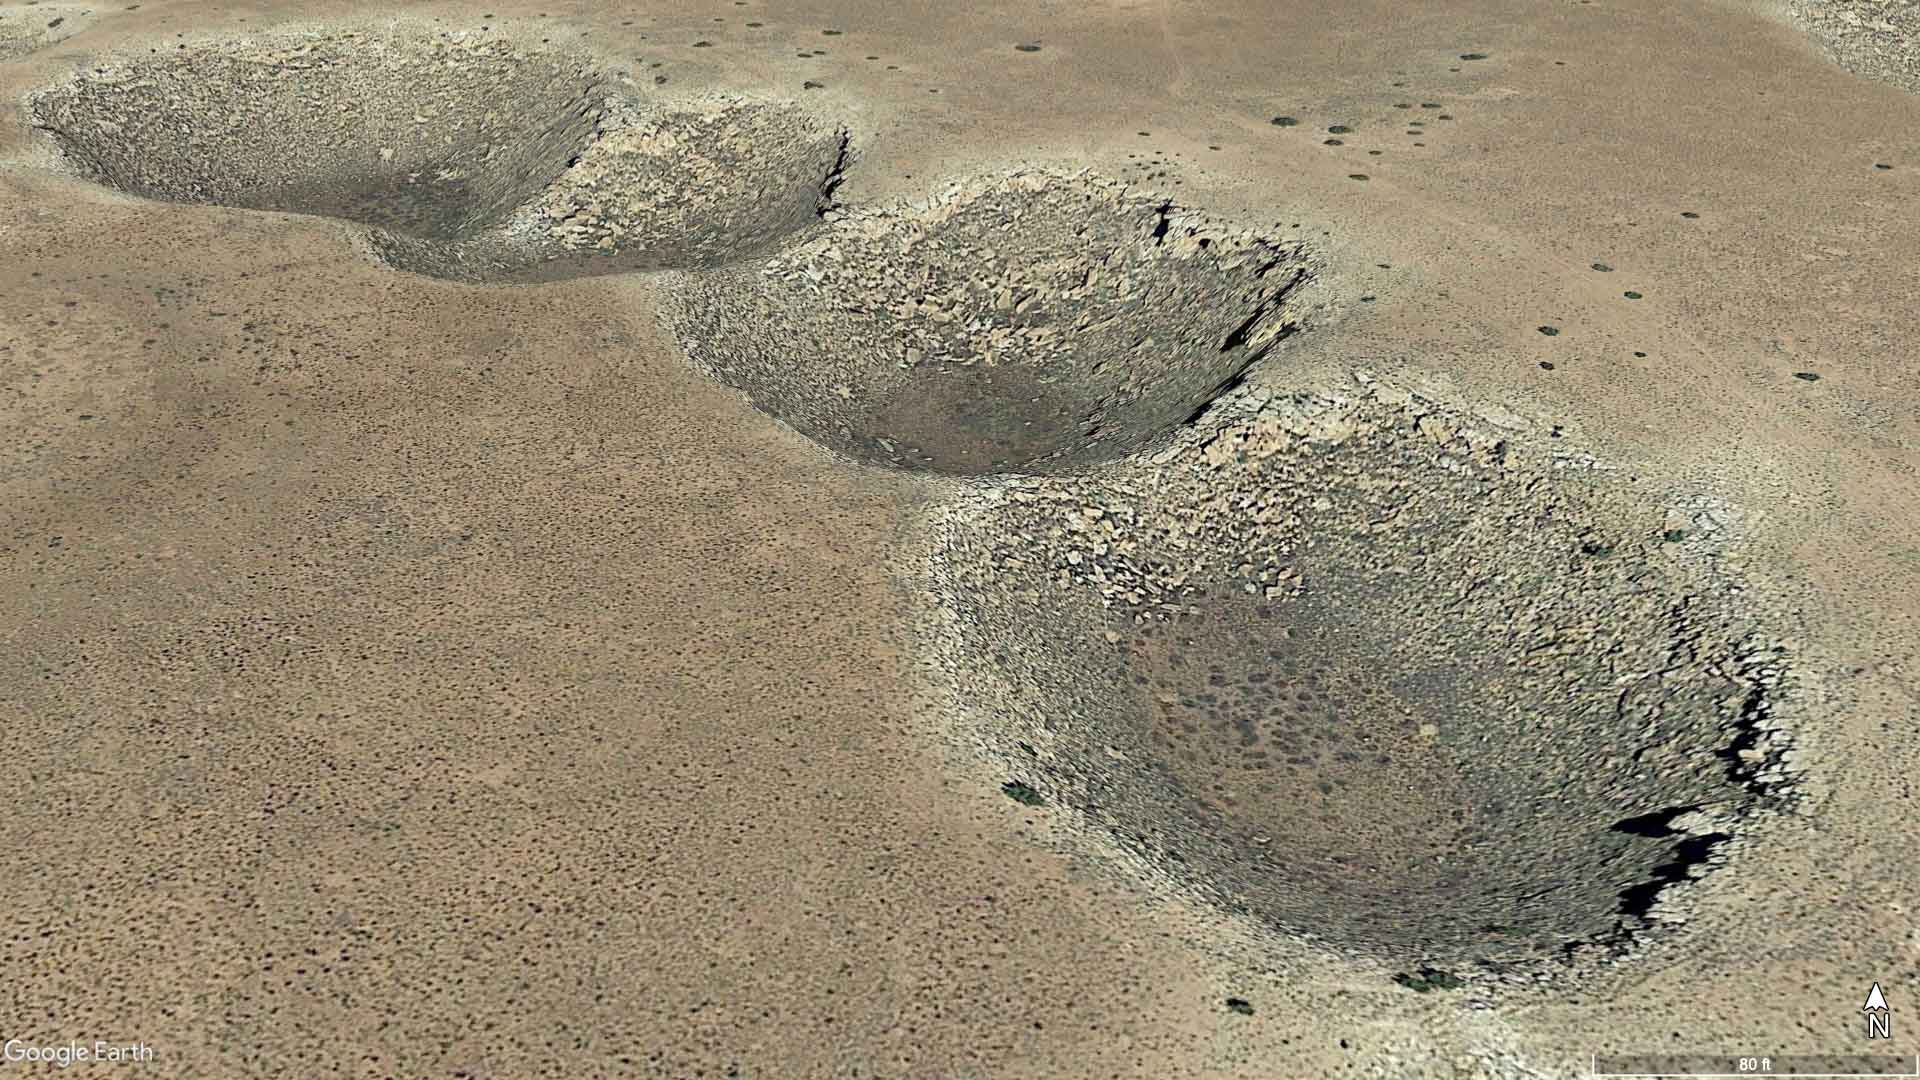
(514, 640)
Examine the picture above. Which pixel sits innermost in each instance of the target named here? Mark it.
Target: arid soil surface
(578, 540)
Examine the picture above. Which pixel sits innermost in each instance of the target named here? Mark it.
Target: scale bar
(1695, 1066)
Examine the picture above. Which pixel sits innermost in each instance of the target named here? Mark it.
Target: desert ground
(1116, 539)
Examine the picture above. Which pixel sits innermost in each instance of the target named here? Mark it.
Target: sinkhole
(1347, 666)
(1031, 321)
(467, 157)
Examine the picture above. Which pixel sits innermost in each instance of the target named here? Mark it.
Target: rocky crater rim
(467, 156)
(1359, 673)
(1879, 41)
(1026, 321)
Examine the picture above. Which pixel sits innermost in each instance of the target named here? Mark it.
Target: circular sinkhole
(434, 137)
(1025, 322)
(691, 185)
(468, 157)
(1348, 668)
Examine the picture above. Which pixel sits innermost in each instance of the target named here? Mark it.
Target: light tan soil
(410, 677)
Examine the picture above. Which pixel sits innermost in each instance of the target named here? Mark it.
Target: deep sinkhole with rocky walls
(1351, 668)
(1032, 321)
(465, 156)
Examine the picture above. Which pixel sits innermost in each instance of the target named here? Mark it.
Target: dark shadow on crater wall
(466, 159)
(1038, 321)
(1359, 691)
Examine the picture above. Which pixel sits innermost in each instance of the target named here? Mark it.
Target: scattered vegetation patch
(1022, 793)
(1427, 980)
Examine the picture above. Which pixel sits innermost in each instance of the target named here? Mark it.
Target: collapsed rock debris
(468, 156)
(1356, 671)
(1030, 321)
